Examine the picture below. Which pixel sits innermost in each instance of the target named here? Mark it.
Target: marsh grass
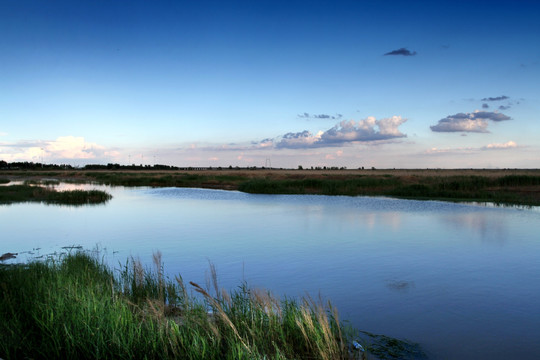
(76, 307)
(505, 187)
(32, 193)
(359, 185)
(511, 189)
(153, 180)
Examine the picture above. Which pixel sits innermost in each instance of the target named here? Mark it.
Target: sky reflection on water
(460, 279)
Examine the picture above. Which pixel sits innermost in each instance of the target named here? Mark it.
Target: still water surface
(462, 280)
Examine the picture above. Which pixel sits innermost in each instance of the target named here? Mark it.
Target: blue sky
(333, 83)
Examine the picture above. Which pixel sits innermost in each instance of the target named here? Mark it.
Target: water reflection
(491, 228)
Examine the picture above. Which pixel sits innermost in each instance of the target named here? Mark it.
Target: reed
(76, 307)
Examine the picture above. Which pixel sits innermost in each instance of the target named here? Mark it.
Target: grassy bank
(48, 195)
(78, 308)
(516, 187)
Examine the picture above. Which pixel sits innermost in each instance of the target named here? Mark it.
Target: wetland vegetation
(508, 186)
(28, 192)
(76, 307)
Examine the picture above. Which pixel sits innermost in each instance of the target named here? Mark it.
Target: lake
(460, 279)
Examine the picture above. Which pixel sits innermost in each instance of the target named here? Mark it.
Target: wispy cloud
(320, 116)
(471, 150)
(506, 106)
(437, 151)
(507, 145)
(468, 122)
(496, 98)
(402, 52)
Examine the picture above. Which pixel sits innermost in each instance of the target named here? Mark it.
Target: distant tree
(300, 167)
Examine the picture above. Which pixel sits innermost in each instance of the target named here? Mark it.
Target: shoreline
(504, 186)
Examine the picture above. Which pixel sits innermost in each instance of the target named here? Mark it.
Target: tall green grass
(76, 307)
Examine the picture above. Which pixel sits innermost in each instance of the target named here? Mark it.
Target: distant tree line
(26, 165)
(111, 166)
(115, 166)
(4, 165)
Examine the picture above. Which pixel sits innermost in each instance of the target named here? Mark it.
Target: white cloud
(300, 140)
(476, 121)
(345, 132)
(71, 147)
(62, 149)
(507, 145)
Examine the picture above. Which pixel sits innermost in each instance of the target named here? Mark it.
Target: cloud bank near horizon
(62, 149)
(470, 150)
(344, 133)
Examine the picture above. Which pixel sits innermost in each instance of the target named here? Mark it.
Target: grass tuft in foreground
(76, 307)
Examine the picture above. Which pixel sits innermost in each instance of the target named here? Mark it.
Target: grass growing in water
(78, 308)
(28, 193)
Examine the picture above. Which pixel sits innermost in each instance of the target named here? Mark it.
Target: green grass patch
(29, 193)
(76, 307)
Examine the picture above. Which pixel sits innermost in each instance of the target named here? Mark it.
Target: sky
(385, 84)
